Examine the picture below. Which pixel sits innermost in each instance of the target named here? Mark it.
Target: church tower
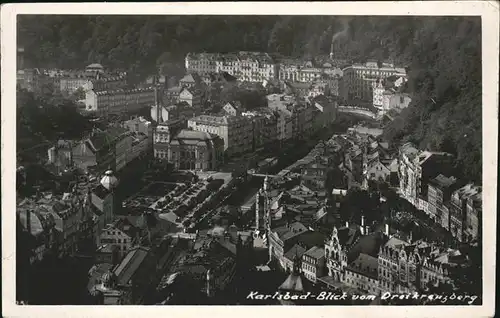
(110, 183)
(336, 256)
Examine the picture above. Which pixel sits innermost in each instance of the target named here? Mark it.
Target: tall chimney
(346, 223)
(155, 84)
(387, 229)
(362, 221)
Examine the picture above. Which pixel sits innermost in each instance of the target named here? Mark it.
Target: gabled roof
(443, 181)
(348, 235)
(295, 251)
(102, 139)
(193, 135)
(191, 78)
(126, 226)
(366, 265)
(367, 245)
(287, 232)
(235, 104)
(293, 283)
(130, 264)
(315, 252)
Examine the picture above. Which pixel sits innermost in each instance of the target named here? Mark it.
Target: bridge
(358, 110)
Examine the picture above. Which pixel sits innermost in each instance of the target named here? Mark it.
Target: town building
(314, 174)
(106, 83)
(358, 79)
(127, 283)
(171, 95)
(319, 88)
(438, 193)
(71, 83)
(191, 96)
(290, 109)
(310, 74)
(163, 135)
(313, 263)
(473, 220)
(284, 125)
(351, 253)
(233, 108)
(97, 153)
(298, 89)
(264, 124)
(95, 68)
(283, 238)
(247, 66)
(406, 266)
(458, 211)
(417, 167)
(289, 71)
(112, 149)
(56, 224)
(106, 200)
(180, 110)
(295, 252)
(121, 233)
(192, 81)
(327, 107)
(362, 274)
(236, 131)
(119, 101)
(201, 63)
(196, 150)
(387, 94)
(140, 125)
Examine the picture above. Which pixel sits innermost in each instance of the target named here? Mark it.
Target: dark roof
(315, 252)
(290, 231)
(366, 265)
(367, 244)
(347, 236)
(104, 138)
(443, 181)
(130, 264)
(127, 227)
(101, 192)
(311, 239)
(296, 250)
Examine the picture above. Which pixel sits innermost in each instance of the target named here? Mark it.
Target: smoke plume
(343, 32)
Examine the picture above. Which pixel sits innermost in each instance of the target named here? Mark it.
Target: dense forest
(43, 118)
(442, 55)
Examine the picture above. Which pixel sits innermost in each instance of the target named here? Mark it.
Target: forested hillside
(443, 56)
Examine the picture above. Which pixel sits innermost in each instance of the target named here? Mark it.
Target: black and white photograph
(232, 158)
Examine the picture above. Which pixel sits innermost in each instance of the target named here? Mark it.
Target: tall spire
(296, 264)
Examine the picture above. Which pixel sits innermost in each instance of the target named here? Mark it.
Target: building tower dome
(109, 181)
(106, 279)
